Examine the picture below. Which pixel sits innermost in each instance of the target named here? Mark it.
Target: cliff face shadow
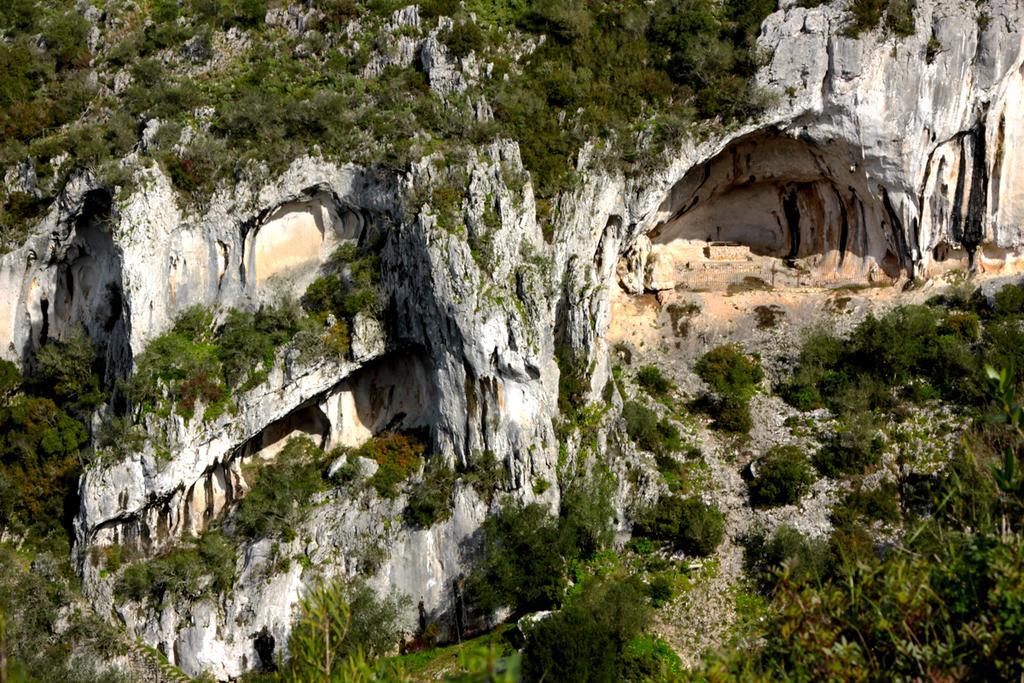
(88, 292)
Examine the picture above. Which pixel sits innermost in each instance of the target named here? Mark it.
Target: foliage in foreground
(943, 603)
(342, 625)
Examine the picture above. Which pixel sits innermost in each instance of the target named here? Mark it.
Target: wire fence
(760, 278)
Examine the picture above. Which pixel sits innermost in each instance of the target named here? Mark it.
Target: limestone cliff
(882, 158)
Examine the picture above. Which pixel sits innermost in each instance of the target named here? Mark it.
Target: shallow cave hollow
(800, 201)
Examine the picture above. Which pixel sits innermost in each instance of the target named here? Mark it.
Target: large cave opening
(779, 207)
(88, 291)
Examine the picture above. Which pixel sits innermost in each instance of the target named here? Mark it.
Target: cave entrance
(778, 208)
(394, 392)
(88, 290)
(308, 420)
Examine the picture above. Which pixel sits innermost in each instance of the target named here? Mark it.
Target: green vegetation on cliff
(232, 92)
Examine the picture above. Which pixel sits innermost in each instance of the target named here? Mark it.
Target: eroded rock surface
(877, 161)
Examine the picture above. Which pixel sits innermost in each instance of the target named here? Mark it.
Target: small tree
(649, 377)
(342, 625)
(783, 476)
(688, 523)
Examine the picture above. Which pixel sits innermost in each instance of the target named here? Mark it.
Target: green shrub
(688, 523)
(351, 285)
(650, 659)
(854, 447)
(195, 361)
(730, 373)
(398, 455)
(586, 512)
(865, 15)
(648, 432)
(587, 639)
(803, 559)
(430, 500)
(1008, 301)
(463, 38)
(66, 371)
(860, 505)
(660, 589)
(733, 416)
(280, 494)
(340, 622)
(527, 554)
(899, 18)
(38, 590)
(39, 465)
(783, 477)
(247, 343)
(649, 378)
(906, 346)
(199, 568)
(942, 599)
(573, 384)
(486, 475)
(523, 563)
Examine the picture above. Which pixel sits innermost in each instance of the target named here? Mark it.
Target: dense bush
(430, 500)
(196, 361)
(730, 373)
(865, 505)
(853, 447)
(688, 523)
(280, 494)
(341, 624)
(398, 455)
(649, 659)
(67, 372)
(733, 377)
(43, 420)
(921, 352)
(587, 639)
(350, 286)
(865, 15)
(783, 476)
(648, 432)
(463, 38)
(585, 514)
(37, 591)
(785, 552)
(39, 465)
(203, 567)
(573, 383)
(523, 563)
(650, 378)
(527, 554)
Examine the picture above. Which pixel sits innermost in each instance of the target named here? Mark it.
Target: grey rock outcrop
(879, 157)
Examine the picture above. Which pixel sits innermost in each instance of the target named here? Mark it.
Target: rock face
(925, 121)
(467, 354)
(881, 156)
